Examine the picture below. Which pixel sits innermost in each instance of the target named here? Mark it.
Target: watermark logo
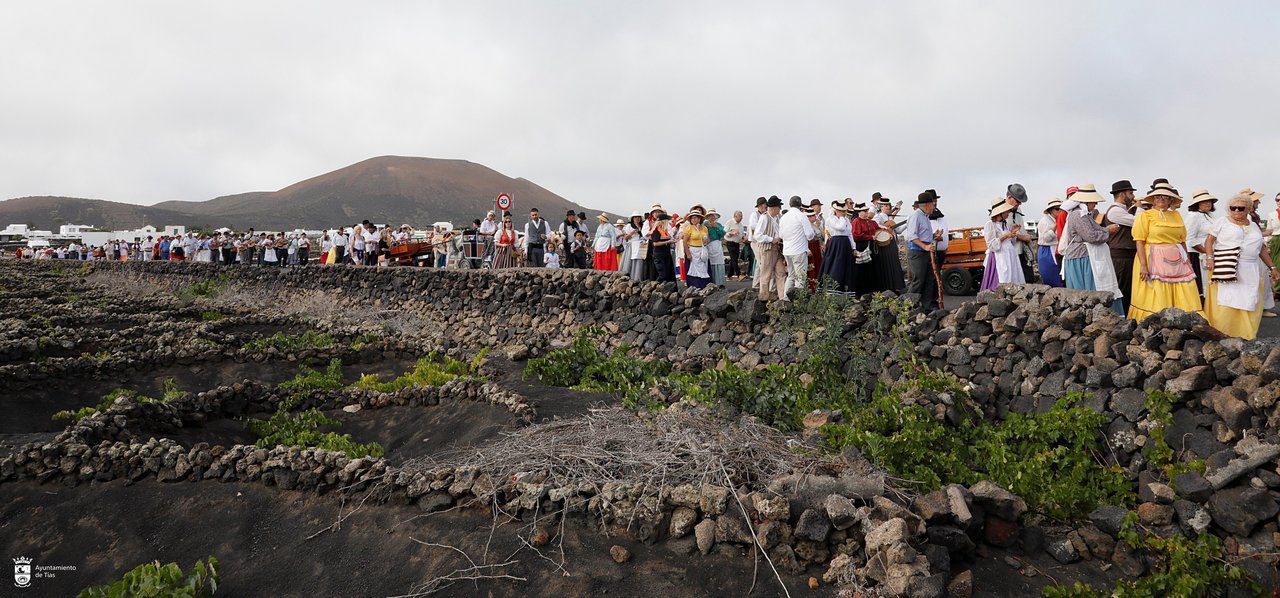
(22, 572)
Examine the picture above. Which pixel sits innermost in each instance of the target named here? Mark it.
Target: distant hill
(387, 189)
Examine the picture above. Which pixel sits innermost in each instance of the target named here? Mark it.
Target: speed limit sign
(504, 201)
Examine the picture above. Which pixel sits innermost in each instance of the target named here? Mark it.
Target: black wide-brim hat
(774, 202)
(1121, 187)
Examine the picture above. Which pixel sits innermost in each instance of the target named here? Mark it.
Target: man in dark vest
(536, 232)
(1123, 247)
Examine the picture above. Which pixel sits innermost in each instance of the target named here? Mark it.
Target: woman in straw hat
(715, 246)
(694, 235)
(837, 260)
(1047, 252)
(1002, 265)
(637, 248)
(864, 258)
(606, 257)
(660, 244)
(1162, 273)
(886, 260)
(1238, 282)
(1086, 258)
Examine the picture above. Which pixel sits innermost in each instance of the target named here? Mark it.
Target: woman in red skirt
(606, 257)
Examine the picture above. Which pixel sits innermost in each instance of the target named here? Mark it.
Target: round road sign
(504, 201)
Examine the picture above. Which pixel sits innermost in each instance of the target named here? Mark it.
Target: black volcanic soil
(259, 536)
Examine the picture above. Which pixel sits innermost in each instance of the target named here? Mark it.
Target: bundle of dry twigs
(675, 447)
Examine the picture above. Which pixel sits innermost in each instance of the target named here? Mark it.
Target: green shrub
(212, 316)
(302, 429)
(209, 287)
(107, 401)
(286, 343)
(428, 371)
(564, 367)
(161, 581)
(1180, 566)
(1053, 460)
(309, 379)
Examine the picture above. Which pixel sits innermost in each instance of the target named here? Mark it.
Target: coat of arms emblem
(22, 572)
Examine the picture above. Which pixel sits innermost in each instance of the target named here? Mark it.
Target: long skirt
(888, 268)
(1048, 266)
(662, 262)
(837, 264)
(990, 278)
(865, 276)
(1231, 320)
(815, 263)
(503, 257)
(1080, 277)
(1151, 296)
(606, 260)
(697, 269)
(635, 268)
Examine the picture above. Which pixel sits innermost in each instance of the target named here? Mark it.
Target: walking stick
(933, 267)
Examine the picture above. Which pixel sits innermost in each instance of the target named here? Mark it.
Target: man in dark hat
(568, 231)
(920, 244)
(938, 221)
(1123, 248)
(1016, 195)
(771, 278)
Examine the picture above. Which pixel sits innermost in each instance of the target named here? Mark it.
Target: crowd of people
(1140, 249)
(1145, 253)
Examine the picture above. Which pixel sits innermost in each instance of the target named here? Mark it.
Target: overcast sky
(617, 105)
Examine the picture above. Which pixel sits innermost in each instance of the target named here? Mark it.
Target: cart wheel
(957, 281)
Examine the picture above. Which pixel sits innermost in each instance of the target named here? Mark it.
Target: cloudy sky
(617, 105)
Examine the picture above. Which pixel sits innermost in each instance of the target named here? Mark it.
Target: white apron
(715, 252)
(698, 266)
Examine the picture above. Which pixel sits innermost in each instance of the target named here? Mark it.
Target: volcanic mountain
(387, 189)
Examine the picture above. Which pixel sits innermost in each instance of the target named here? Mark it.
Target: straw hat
(656, 208)
(1087, 193)
(619, 222)
(603, 217)
(997, 202)
(713, 212)
(1164, 189)
(1053, 203)
(840, 206)
(860, 207)
(637, 215)
(1201, 195)
(1254, 195)
(998, 210)
(694, 212)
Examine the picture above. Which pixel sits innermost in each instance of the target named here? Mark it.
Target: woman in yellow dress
(1162, 273)
(1236, 283)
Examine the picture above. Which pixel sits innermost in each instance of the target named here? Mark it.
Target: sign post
(504, 202)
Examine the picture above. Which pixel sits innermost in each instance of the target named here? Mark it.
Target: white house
(74, 230)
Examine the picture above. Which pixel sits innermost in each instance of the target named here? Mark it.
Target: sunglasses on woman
(1239, 209)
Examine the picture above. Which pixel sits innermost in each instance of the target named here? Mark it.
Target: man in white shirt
(734, 231)
(795, 230)
(340, 241)
(753, 246)
(371, 239)
(771, 277)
